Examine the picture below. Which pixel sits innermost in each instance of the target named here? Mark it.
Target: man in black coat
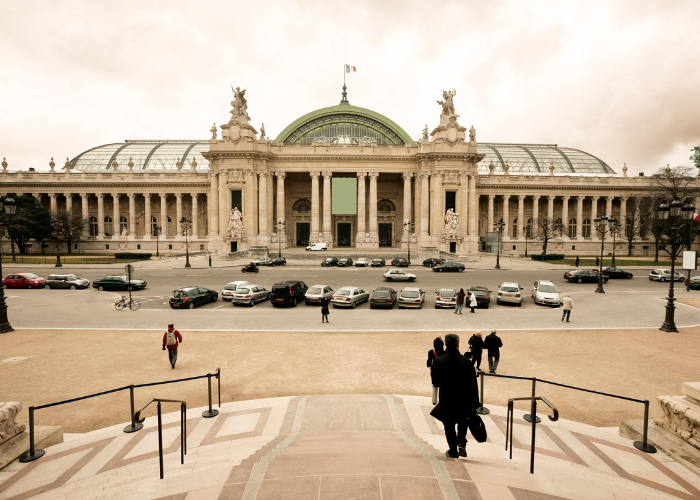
(459, 395)
(493, 344)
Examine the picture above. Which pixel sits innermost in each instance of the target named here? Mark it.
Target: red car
(23, 280)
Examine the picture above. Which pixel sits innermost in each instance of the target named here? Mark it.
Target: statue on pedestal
(235, 223)
(425, 134)
(472, 134)
(213, 131)
(240, 106)
(451, 224)
(262, 132)
(448, 108)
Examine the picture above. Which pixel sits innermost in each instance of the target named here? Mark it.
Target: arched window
(154, 224)
(559, 226)
(386, 206)
(122, 224)
(515, 228)
(530, 228)
(93, 226)
(586, 228)
(302, 205)
(108, 226)
(572, 228)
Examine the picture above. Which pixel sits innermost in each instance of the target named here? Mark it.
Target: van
(317, 246)
(288, 292)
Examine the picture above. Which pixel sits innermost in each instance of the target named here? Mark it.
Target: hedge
(551, 256)
(132, 256)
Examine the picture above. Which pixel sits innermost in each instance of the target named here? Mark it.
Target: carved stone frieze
(682, 414)
(9, 428)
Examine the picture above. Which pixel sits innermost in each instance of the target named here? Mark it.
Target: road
(626, 304)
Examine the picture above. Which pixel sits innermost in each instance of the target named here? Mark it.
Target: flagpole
(343, 74)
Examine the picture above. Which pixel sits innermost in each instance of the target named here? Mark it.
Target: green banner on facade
(344, 196)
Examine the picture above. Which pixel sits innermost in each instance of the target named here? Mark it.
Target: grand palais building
(343, 175)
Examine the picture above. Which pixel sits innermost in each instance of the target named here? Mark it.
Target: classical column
(464, 210)
(213, 204)
(314, 206)
(327, 235)
(506, 199)
(579, 217)
(535, 214)
(262, 204)
(69, 202)
(623, 215)
(608, 205)
(594, 216)
(550, 208)
(54, 205)
(361, 207)
(473, 206)
(521, 215)
(132, 215)
(281, 233)
(147, 216)
(178, 215)
(84, 208)
(424, 205)
(406, 205)
(163, 222)
(195, 215)
(489, 220)
(565, 214)
(116, 223)
(100, 216)
(373, 223)
(438, 212)
(248, 202)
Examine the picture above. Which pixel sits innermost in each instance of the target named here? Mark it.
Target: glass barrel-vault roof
(146, 155)
(536, 158)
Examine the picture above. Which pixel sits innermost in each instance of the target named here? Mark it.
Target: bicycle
(132, 304)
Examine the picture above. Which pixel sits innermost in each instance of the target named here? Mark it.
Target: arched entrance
(301, 215)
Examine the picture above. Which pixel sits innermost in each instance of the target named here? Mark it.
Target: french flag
(696, 216)
(350, 69)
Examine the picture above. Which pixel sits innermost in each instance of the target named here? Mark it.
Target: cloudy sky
(618, 79)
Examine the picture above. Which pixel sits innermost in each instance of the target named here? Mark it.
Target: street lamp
(185, 223)
(280, 229)
(408, 228)
(527, 233)
(57, 227)
(604, 225)
(498, 226)
(676, 214)
(10, 207)
(156, 232)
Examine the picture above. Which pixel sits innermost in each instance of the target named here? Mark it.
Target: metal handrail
(533, 411)
(183, 427)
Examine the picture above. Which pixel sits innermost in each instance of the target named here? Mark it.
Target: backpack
(170, 338)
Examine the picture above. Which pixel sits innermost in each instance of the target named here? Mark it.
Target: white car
(316, 292)
(250, 294)
(509, 292)
(230, 288)
(399, 275)
(446, 297)
(665, 275)
(546, 293)
(411, 297)
(362, 262)
(349, 296)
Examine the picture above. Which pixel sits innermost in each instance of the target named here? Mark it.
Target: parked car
(449, 267)
(230, 288)
(383, 296)
(446, 297)
(433, 262)
(583, 276)
(250, 294)
(23, 280)
(400, 262)
(399, 275)
(378, 263)
(70, 281)
(261, 261)
(483, 296)
(190, 297)
(118, 283)
(277, 261)
(615, 272)
(665, 275)
(316, 292)
(317, 246)
(509, 292)
(362, 262)
(349, 296)
(694, 283)
(330, 261)
(411, 297)
(345, 262)
(288, 292)
(544, 292)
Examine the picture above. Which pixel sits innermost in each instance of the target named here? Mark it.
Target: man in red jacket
(171, 340)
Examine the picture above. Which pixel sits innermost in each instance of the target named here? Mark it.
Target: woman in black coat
(325, 301)
(476, 345)
(437, 351)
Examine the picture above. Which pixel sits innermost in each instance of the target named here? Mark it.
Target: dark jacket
(459, 393)
(431, 363)
(477, 345)
(324, 305)
(493, 343)
(460, 297)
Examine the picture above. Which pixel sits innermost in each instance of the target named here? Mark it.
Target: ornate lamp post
(280, 229)
(56, 228)
(156, 232)
(9, 205)
(498, 226)
(603, 225)
(185, 223)
(408, 228)
(527, 235)
(676, 214)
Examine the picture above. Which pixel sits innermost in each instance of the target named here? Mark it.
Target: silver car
(250, 294)
(70, 281)
(665, 275)
(546, 293)
(349, 296)
(361, 262)
(446, 297)
(411, 297)
(509, 292)
(316, 292)
(399, 275)
(230, 289)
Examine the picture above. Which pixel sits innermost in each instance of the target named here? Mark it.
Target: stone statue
(213, 131)
(262, 132)
(8, 427)
(52, 164)
(67, 165)
(115, 164)
(131, 165)
(425, 133)
(448, 107)
(235, 223)
(178, 164)
(551, 168)
(472, 134)
(193, 164)
(4, 164)
(240, 105)
(125, 232)
(451, 224)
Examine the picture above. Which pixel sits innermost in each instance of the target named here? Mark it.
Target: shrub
(132, 256)
(551, 256)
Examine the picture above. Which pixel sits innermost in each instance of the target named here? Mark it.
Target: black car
(345, 262)
(616, 272)
(400, 262)
(277, 261)
(288, 292)
(583, 276)
(383, 297)
(330, 261)
(378, 263)
(433, 262)
(118, 283)
(449, 267)
(694, 283)
(483, 296)
(192, 296)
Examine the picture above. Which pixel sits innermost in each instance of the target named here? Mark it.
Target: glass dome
(146, 155)
(536, 158)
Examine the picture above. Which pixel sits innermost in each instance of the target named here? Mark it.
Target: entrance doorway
(303, 232)
(234, 246)
(384, 235)
(453, 246)
(344, 234)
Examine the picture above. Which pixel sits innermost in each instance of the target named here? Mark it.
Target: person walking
(325, 301)
(493, 344)
(597, 261)
(476, 345)
(460, 301)
(459, 396)
(437, 351)
(171, 340)
(568, 306)
(472, 301)
(577, 261)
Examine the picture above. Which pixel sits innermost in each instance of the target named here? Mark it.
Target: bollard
(32, 454)
(135, 426)
(218, 382)
(209, 260)
(210, 412)
(160, 441)
(528, 416)
(643, 445)
(481, 410)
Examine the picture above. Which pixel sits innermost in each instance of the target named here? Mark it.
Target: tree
(31, 220)
(546, 230)
(639, 210)
(73, 227)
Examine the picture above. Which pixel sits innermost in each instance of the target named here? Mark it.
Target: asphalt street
(632, 303)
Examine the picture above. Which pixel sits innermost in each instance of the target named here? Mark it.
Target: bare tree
(546, 230)
(73, 227)
(638, 213)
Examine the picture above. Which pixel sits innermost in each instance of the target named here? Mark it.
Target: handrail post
(508, 421)
(182, 434)
(135, 426)
(160, 441)
(532, 442)
(32, 454)
(210, 412)
(218, 382)
(512, 413)
(528, 416)
(481, 410)
(643, 445)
